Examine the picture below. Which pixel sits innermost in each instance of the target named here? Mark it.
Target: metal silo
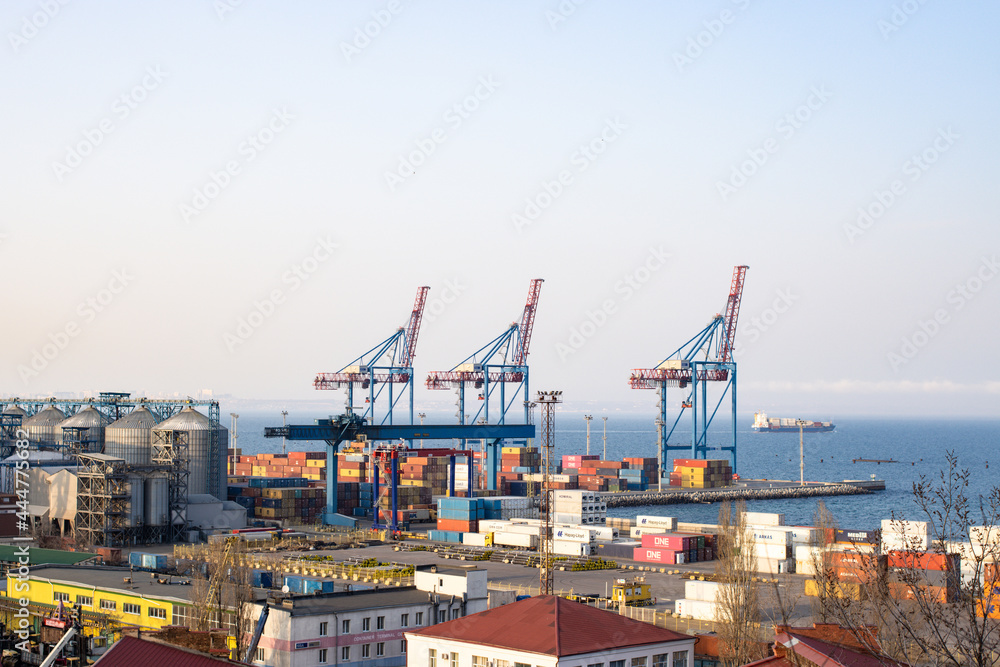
(86, 427)
(135, 505)
(206, 476)
(128, 438)
(43, 426)
(156, 510)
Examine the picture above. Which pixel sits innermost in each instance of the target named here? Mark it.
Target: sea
(917, 448)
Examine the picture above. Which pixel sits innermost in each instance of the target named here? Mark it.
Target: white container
(895, 527)
(984, 535)
(604, 533)
(703, 528)
(568, 517)
(806, 567)
(570, 548)
(807, 553)
(896, 542)
(701, 590)
(523, 529)
(639, 532)
(492, 525)
(770, 535)
(775, 565)
(764, 519)
(771, 551)
(476, 539)
(697, 609)
(666, 522)
(808, 535)
(520, 540)
(572, 534)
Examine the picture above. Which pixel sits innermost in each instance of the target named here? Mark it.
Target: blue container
(263, 579)
(154, 561)
(294, 583)
(135, 559)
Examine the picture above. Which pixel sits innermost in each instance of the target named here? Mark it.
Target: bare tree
(929, 614)
(738, 612)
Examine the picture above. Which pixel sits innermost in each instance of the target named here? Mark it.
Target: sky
(235, 195)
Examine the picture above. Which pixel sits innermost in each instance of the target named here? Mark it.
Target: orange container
(923, 560)
(940, 594)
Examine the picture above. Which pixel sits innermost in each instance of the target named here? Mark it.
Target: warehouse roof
(36, 556)
(551, 625)
(130, 651)
(326, 603)
(113, 578)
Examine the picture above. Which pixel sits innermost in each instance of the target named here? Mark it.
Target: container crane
(502, 361)
(380, 368)
(706, 357)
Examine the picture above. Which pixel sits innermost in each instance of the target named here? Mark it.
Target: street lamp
(284, 438)
(589, 418)
(802, 459)
(421, 415)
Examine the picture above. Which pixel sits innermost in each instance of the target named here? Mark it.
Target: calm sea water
(919, 446)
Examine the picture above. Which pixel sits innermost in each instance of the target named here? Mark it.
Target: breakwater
(674, 497)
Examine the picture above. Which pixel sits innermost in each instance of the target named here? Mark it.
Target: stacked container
(931, 576)
(700, 600)
(701, 473)
(905, 535)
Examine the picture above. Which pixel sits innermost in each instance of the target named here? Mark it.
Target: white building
(366, 627)
(548, 631)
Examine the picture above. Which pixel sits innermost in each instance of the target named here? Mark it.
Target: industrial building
(117, 471)
(366, 627)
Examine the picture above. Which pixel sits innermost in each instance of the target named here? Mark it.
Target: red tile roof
(551, 625)
(129, 652)
(824, 653)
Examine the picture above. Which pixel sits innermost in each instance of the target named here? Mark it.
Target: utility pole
(284, 440)
(659, 454)
(605, 438)
(802, 458)
(421, 415)
(589, 418)
(548, 400)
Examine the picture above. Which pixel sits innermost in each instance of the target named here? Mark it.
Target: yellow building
(108, 599)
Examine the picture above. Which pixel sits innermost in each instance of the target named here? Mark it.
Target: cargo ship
(763, 424)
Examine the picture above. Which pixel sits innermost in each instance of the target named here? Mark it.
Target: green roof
(36, 556)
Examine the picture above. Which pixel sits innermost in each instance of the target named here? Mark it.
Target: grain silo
(84, 430)
(128, 438)
(156, 503)
(207, 468)
(43, 426)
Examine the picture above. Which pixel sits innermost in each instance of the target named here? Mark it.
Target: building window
(404, 621)
(57, 597)
(432, 657)
(380, 623)
(680, 658)
(661, 660)
(601, 664)
(616, 663)
(156, 612)
(345, 652)
(454, 659)
(420, 618)
(402, 646)
(639, 662)
(455, 613)
(322, 628)
(109, 605)
(260, 654)
(442, 615)
(128, 608)
(85, 600)
(379, 649)
(521, 664)
(480, 661)
(366, 624)
(366, 650)
(345, 626)
(322, 655)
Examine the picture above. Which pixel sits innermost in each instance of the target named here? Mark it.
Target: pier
(744, 490)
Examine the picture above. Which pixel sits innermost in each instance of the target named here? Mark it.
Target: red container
(666, 541)
(665, 556)
(853, 559)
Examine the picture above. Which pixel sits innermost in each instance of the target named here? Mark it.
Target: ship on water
(763, 424)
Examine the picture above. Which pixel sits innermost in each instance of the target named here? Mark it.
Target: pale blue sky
(196, 86)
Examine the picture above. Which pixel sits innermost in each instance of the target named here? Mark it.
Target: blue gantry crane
(502, 361)
(378, 370)
(706, 357)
